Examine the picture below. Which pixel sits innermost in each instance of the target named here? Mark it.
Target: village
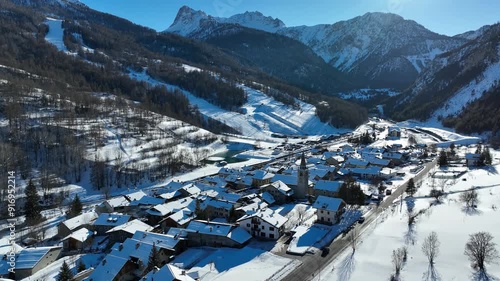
(292, 206)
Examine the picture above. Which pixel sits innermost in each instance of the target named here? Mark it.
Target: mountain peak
(382, 18)
(256, 20)
(188, 21)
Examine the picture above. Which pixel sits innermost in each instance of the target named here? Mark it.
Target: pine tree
(411, 189)
(443, 158)
(199, 212)
(352, 193)
(81, 266)
(153, 261)
(76, 207)
(65, 273)
(232, 215)
(487, 156)
(31, 205)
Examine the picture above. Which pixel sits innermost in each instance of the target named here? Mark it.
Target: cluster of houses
(224, 210)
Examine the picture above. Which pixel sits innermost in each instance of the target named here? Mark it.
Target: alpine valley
(240, 148)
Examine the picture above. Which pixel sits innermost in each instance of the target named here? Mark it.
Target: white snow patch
(474, 90)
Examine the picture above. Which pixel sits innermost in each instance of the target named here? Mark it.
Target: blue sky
(448, 17)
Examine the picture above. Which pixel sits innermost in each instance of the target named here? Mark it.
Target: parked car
(361, 219)
(388, 192)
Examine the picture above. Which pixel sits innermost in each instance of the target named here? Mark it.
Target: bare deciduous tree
(470, 198)
(398, 259)
(481, 249)
(301, 211)
(430, 248)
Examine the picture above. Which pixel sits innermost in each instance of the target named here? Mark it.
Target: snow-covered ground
(472, 91)
(263, 114)
(55, 34)
(51, 271)
(246, 264)
(452, 222)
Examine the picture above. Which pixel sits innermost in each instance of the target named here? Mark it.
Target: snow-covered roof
(183, 216)
(164, 241)
(191, 189)
(131, 227)
(216, 204)
(29, 257)
(167, 273)
(266, 196)
(109, 267)
(172, 207)
(80, 235)
(135, 195)
(239, 235)
(212, 228)
(147, 200)
(378, 161)
(333, 186)
(119, 201)
(231, 231)
(175, 185)
(356, 162)
(111, 219)
(267, 215)
(254, 206)
(287, 179)
(170, 195)
(85, 218)
(282, 187)
(262, 175)
(327, 203)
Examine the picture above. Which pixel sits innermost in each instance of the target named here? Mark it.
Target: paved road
(314, 264)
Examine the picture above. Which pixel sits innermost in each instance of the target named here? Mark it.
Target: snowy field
(227, 264)
(263, 116)
(452, 222)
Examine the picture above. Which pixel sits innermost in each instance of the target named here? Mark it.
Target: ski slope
(261, 115)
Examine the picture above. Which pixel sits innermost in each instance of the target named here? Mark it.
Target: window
(328, 219)
(263, 228)
(271, 228)
(271, 235)
(322, 211)
(248, 225)
(263, 234)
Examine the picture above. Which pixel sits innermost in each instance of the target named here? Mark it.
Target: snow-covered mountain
(189, 22)
(473, 34)
(383, 50)
(454, 80)
(38, 3)
(374, 44)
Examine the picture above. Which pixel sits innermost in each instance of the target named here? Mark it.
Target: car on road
(361, 219)
(325, 251)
